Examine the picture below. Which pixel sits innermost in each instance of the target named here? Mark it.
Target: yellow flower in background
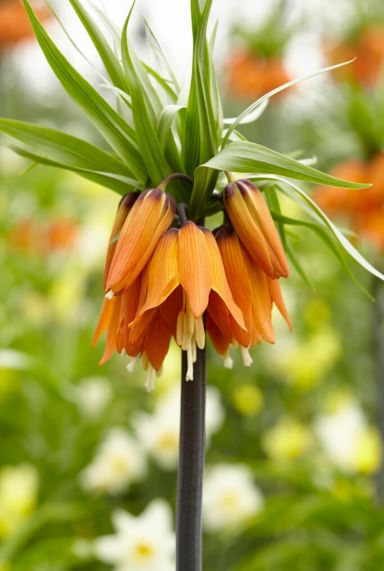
(287, 440)
(247, 399)
(18, 496)
(310, 361)
(368, 451)
(317, 312)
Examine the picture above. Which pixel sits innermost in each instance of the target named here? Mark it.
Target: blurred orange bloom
(368, 50)
(14, 23)
(249, 76)
(364, 209)
(29, 235)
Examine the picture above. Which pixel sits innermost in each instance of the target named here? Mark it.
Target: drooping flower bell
(253, 291)
(184, 274)
(150, 216)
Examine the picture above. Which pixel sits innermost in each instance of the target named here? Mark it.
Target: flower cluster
(365, 211)
(168, 277)
(367, 51)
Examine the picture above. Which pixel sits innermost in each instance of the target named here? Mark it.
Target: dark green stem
(191, 467)
(175, 176)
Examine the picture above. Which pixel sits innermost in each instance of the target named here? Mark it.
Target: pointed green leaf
(145, 107)
(63, 148)
(332, 244)
(249, 157)
(204, 115)
(300, 196)
(114, 182)
(55, 148)
(109, 59)
(116, 131)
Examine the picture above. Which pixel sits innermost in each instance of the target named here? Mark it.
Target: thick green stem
(191, 467)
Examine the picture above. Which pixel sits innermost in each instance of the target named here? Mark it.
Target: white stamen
(109, 294)
(189, 375)
(199, 333)
(228, 361)
(247, 359)
(131, 365)
(150, 379)
(193, 349)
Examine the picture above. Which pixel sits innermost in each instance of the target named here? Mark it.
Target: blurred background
(294, 477)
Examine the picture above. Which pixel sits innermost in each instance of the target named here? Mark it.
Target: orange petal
(260, 211)
(139, 327)
(157, 342)
(113, 330)
(171, 308)
(220, 341)
(149, 218)
(162, 273)
(278, 300)
(194, 267)
(233, 256)
(247, 228)
(123, 209)
(261, 301)
(107, 311)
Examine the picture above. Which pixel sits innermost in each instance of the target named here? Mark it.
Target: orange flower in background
(14, 23)
(168, 282)
(58, 235)
(368, 49)
(364, 209)
(249, 76)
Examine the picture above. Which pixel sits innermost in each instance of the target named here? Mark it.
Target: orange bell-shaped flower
(150, 216)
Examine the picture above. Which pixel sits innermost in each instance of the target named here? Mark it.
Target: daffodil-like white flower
(159, 432)
(119, 461)
(230, 497)
(142, 543)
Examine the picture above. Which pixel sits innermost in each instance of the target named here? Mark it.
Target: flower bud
(252, 220)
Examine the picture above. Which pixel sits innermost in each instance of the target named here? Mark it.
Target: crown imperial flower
(167, 277)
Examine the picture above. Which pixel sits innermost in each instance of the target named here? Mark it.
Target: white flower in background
(11, 359)
(18, 496)
(347, 439)
(230, 497)
(142, 543)
(159, 432)
(92, 395)
(119, 461)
